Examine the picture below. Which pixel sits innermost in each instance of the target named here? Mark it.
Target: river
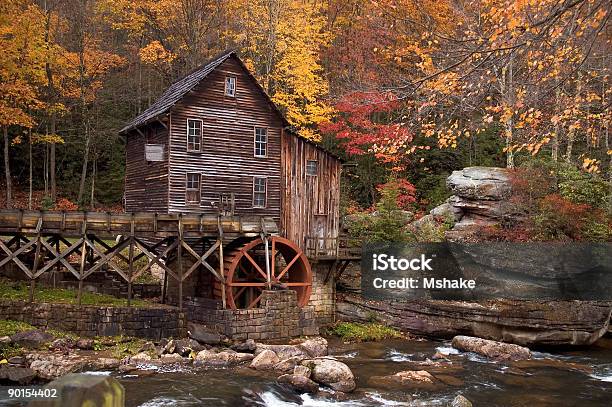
(572, 377)
(564, 378)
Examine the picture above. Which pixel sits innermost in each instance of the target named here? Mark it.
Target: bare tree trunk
(92, 201)
(572, 132)
(507, 91)
(50, 169)
(30, 159)
(52, 163)
(555, 145)
(7, 169)
(139, 92)
(46, 170)
(84, 167)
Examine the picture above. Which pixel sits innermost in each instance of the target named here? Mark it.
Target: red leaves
(406, 192)
(367, 123)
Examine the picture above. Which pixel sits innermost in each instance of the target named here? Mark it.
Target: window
(230, 86)
(192, 193)
(311, 167)
(259, 192)
(261, 142)
(194, 135)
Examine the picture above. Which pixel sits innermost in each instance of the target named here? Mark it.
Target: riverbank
(392, 371)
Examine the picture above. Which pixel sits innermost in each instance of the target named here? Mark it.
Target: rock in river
(332, 373)
(461, 401)
(300, 383)
(419, 379)
(209, 358)
(265, 360)
(314, 347)
(491, 349)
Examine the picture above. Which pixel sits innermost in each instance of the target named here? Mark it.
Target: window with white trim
(194, 134)
(230, 86)
(193, 187)
(259, 192)
(261, 142)
(311, 167)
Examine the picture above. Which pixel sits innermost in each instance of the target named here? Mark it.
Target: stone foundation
(278, 317)
(322, 298)
(150, 323)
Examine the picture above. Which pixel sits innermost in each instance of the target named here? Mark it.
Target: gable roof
(175, 92)
(178, 89)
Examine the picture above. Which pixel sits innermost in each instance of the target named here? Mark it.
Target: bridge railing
(332, 248)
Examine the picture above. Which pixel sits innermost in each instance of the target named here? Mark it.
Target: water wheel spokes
(246, 271)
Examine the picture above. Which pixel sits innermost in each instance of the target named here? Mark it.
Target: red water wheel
(246, 273)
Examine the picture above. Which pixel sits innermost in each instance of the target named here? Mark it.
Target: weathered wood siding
(311, 204)
(226, 162)
(146, 183)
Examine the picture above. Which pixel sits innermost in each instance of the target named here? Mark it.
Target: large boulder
(491, 349)
(283, 351)
(332, 373)
(301, 384)
(480, 183)
(203, 334)
(16, 375)
(265, 360)
(209, 358)
(481, 197)
(407, 379)
(33, 339)
(314, 347)
(50, 367)
(287, 365)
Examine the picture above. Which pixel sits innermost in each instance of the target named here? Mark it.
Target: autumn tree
(282, 42)
(21, 73)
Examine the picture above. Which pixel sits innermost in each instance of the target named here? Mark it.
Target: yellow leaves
(155, 53)
(47, 138)
(590, 165)
(289, 65)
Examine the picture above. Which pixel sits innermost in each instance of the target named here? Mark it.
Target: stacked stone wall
(150, 323)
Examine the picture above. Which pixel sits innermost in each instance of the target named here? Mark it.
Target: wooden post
(130, 262)
(223, 300)
(83, 258)
(59, 266)
(180, 261)
(36, 258)
(221, 262)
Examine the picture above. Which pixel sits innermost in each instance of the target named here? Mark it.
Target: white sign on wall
(154, 152)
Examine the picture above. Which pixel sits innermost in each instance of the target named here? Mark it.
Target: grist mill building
(237, 213)
(215, 144)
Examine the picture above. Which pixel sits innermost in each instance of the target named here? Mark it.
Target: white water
(447, 350)
(396, 356)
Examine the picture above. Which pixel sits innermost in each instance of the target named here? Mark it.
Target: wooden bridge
(82, 243)
(39, 242)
